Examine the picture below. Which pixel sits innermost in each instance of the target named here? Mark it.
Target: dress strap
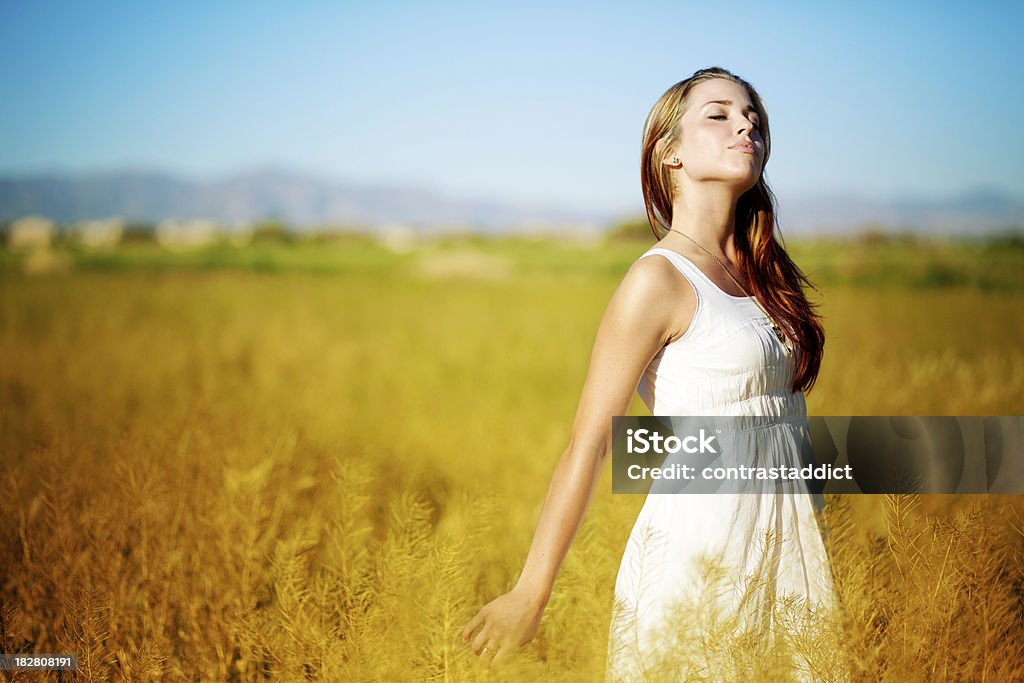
(683, 266)
(695, 275)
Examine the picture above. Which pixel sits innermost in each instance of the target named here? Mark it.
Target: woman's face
(720, 141)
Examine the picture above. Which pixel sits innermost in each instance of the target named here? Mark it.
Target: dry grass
(230, 476)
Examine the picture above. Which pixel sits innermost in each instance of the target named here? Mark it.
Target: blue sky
(528, 102)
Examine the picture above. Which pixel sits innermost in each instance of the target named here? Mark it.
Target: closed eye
(723, 117)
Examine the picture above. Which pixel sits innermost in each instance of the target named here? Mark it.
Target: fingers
(482, 640)
(471, 626)
(485, 645)
(503, 652)
(490, 650)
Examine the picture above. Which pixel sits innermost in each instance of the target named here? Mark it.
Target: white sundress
(770, 547)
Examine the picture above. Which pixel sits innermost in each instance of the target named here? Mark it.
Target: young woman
(717, 324)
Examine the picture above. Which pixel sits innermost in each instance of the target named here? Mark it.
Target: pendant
(782, 337)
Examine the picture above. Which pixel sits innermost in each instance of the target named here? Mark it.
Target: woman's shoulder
(654, 273)
(654, 289)
(661, 268)
(644, 312)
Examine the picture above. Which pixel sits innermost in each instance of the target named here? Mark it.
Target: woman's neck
(708, 218)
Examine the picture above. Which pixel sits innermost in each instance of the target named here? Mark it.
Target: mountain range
(304, 202)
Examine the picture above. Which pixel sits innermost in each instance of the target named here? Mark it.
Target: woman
(718, 326)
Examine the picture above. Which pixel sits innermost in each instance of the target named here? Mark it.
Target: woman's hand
(508, 621)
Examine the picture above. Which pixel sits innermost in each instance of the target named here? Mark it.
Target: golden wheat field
(268, 467)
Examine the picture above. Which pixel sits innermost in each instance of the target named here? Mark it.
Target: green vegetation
(316, 461)
(866, 262)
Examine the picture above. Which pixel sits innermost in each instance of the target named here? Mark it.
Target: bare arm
(641, 317)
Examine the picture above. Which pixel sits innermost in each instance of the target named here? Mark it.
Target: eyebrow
(727, 103)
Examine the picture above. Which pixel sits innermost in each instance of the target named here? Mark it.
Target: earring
(675, 160)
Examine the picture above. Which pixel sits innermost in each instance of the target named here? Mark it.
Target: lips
(744, 147)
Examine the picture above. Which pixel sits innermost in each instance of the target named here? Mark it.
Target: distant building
(398, 238)
(175, 234)
(31, 232)
(99, 234)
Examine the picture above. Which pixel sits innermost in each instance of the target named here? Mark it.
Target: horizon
(304, 201)
(891, 112)
(311, 174)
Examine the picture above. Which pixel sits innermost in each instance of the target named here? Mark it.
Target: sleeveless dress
(727, 561)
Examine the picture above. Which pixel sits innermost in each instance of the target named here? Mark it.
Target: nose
(746, 125)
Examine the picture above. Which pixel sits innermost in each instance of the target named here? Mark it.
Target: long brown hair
(760, 253)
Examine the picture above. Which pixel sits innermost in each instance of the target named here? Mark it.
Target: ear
(671, 159)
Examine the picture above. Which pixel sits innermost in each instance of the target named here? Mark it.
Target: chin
(752, 184)
(745, 183)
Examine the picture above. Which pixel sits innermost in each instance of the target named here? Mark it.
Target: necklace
(775, 326)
